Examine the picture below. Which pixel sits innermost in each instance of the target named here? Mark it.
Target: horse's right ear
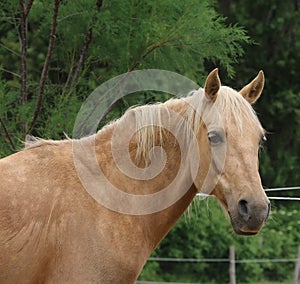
(253, 90)
(212, 85)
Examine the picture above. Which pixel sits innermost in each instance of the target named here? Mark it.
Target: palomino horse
(53, 231)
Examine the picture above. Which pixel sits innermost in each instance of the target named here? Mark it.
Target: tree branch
(24, 24)
(150, 49)
(46, 64)
(23, 17)
(12, 144)
(143, 56)
(24, 11)
(86, 44)
(28, 7)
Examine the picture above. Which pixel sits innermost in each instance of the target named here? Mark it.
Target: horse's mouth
(242, 229)
(245, 233)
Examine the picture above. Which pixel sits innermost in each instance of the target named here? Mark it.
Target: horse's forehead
(237, 120)
(247, 128)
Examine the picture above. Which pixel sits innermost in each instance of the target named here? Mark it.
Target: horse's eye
(214, 138)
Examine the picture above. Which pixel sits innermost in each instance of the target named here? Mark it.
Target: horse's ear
(253, 90)
(212, 85)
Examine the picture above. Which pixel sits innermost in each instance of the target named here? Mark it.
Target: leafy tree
(54, 53)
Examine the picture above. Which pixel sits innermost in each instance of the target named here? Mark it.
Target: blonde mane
(230, 104)
(34, 142)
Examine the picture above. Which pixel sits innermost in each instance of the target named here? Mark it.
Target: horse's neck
(160, 223)
(146, 161)
(164, 215)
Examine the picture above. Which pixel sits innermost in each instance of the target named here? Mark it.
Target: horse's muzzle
(249, 217)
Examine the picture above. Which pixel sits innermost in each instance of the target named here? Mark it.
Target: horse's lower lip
(245, 233)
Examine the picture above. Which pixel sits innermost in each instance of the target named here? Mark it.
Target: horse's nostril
(243, 209)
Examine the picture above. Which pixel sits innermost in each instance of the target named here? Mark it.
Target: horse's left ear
(253, 90)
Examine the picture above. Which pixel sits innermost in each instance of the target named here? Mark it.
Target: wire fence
(162, 259)
(231, 260)
(155, 282)
(282, 188)
(215, 260)
(270, 190)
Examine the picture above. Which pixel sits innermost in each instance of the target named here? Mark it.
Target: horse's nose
(245, 210)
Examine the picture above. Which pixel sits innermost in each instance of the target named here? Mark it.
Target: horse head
(233, 144)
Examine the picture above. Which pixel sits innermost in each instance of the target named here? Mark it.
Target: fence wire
(203, 195)
(165, 259)
(282, 188)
